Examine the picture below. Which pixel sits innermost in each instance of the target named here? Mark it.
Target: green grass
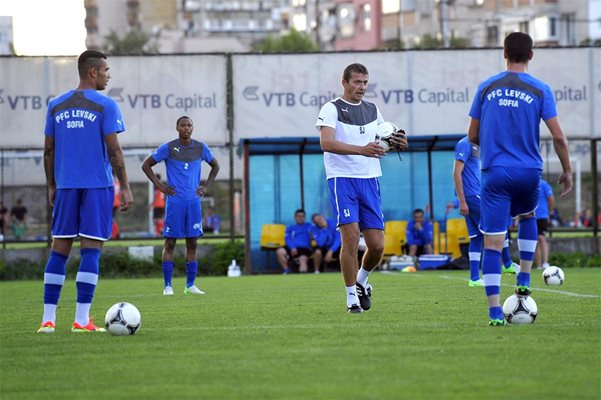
(280, 337)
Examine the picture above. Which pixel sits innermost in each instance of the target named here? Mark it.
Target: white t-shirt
(353, 124)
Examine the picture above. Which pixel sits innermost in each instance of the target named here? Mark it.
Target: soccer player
(348, 127)
(505, 117)
(183, 158)
(298, 244)
(81, 150)
(327, 240)
(546, 202)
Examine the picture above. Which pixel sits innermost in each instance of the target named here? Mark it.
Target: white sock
(545, 265)
(351, 295)
(49, 313)
(82, 313)
(362, 276)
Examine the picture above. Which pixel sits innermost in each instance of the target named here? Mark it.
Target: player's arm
(458, 166)
(473, 131)
(147, 168)
(118, 163)
(49, 168)
(550, 203)
(560, 143)
(330, 144)
(210, 179)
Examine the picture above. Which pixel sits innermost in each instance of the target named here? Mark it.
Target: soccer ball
(520, 310)
(553, 276)
(123, 319)
(385, 130)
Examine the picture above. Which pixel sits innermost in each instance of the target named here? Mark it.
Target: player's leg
(523, 203)
(168, 265)
(346, 212)
(64, 229)
(371, 223)
(317, 259)
(494, 206)
(95, 225)
(542, 249)
(283, 256)
(472, 220)
(303, 264)
(193, 230)
(509, 267)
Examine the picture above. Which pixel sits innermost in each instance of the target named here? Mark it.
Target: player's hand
(127, 199)
(399, 140)
(463, 208)
(565, 179)
(418, 226)
(51, 194)
(168, 190)
(201, 190)
(293, 252)
(373, 149)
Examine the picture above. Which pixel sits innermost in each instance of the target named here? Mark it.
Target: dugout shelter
(282, 175)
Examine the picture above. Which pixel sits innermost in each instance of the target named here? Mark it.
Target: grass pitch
(281, 337)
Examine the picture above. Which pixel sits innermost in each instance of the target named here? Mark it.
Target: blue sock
(491, 274)
(505, 253)
(87, 276)
(167, 272)
(191, 268)
(475, 253)
(523, 279)
(527, 238)
(54, 277)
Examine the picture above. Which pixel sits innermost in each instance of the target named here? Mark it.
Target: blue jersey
(419, 237)
(79, 120)
(183, 165)
(328, 237)
(544, 192)
(510, 106)
(469, 154)
(298, 236)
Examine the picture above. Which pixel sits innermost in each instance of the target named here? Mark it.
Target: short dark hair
(518, 47)
(300, 210)
(356, 67)
(183, 117)
(418, 211)
(89, 59)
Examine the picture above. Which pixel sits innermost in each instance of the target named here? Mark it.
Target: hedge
(122, 265)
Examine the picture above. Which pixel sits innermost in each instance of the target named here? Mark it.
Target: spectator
(327, 241)
(158, 209)
(546, 202)
(18, 216)
(211, 221)
(3, 220)
(587, 218)
(298, 244)
(555, 218)
(419, 234)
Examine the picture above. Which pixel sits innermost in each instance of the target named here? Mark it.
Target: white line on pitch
(594, 296)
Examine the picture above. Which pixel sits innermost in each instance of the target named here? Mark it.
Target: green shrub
(21, 269)
(578, 259)
(217, 262)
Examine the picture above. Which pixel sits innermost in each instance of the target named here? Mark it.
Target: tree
(293, 42)
(135, 41)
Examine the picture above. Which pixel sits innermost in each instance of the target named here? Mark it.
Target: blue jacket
(328, 237)
(419, 237)
(298, 236)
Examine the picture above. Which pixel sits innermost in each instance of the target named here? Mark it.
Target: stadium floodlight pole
(444, 12)
(230, 128)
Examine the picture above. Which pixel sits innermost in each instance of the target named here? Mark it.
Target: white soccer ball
(520, 310)
(123, 319)
(385, 130)
(553, 276)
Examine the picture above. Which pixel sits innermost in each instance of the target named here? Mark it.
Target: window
(523, 26)
(367, 17)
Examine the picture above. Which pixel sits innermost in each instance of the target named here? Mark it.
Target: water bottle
(233, 270)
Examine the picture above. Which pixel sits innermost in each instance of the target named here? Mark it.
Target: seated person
(298, 244)
(211, 221)
(18, 215)
(419, 234)
(327, 240)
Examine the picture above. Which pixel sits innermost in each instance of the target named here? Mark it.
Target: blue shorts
(83, 212)
(472, 220)
(357, 200)
(182, 218)
(507, 192)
